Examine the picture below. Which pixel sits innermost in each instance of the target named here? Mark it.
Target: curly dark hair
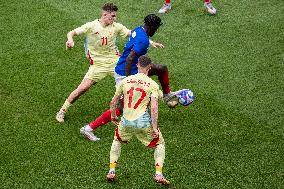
(109, 7)
(153, 20)
(144, 61)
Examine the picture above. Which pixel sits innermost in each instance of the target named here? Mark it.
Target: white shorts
(118, 78)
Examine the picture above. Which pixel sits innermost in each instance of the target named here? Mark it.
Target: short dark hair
(144, 61)
(109, 7)
(153, 20)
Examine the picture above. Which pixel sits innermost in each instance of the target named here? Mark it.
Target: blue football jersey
(139, 42)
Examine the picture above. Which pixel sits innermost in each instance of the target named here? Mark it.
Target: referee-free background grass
(231, 137)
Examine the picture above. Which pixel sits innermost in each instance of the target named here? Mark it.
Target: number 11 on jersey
(104, 40)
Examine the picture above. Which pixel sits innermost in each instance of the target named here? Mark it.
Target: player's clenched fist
(69, 44)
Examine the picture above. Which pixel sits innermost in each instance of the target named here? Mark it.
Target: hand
(69, 44)
(114, 120)
(155, 133)
(157, 45)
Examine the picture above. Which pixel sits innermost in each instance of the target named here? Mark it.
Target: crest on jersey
(133, 34)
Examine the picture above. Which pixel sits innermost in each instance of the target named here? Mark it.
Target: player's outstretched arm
(154, 116)
(156, 45)
(70, 41)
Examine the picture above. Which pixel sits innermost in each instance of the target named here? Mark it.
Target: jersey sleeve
(122, 30)
(84, 28)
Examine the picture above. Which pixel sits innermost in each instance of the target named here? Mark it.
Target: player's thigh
(145, 136)
(123, 134)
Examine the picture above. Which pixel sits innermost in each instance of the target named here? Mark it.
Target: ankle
(88, 128)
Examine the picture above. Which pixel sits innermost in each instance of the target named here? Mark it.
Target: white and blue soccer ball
(185, 97)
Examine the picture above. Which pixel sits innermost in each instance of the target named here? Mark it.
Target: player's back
(137, 41)
(137, 90)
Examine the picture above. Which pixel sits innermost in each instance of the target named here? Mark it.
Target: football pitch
(232, 136)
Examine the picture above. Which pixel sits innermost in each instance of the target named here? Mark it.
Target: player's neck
(144, 27)
(104, 24)
(145, 72)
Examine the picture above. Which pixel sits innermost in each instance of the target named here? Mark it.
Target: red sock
(207, 1)
(103, 119)
(167, 1)
(165, 82)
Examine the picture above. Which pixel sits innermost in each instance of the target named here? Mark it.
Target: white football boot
(210, 9)
(165, 8)
(60, 116)
(171, 98)
(159, 178)
(110, 176)
(89, 134)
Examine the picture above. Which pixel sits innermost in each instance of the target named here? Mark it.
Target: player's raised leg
(166, 7)
(163, 76)
(210, 9)
(80, 90)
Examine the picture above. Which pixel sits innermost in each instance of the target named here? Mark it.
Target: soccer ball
(185, 97)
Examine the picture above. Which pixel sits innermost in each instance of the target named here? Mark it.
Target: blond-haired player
(100, 49)
(140, 117)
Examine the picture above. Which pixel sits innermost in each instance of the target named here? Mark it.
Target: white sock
(65, 106)
(88, 128)
(159, 173)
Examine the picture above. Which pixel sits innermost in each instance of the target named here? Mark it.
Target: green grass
(231, 137)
